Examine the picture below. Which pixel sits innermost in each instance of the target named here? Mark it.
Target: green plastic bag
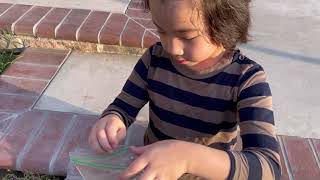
(94, 166)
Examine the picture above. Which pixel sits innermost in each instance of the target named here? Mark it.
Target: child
(200, 90)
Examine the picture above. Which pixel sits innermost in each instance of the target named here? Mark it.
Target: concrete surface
(101, 5)
(87, 83)
(285, 40)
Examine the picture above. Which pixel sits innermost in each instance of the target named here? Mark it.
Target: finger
(121, 135)
(103, 140)
(94, 142)
(139, 150)
(135, 167)
(111, 133)
(148, 174)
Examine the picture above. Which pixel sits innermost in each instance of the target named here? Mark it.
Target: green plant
(10, 47)
(6, 58)
(10, 43)
(14, 175)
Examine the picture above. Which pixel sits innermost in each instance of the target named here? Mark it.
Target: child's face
(182, 33)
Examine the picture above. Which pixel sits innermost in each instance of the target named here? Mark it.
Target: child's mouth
(182, 61)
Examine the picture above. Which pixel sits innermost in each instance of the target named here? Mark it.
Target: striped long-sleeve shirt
(207, 108)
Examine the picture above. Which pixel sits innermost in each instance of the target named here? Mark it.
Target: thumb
(138, 150)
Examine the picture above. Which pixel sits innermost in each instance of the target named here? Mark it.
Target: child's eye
(188, 38)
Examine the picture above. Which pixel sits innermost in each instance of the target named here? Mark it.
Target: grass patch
(6, 58)
(16, 175)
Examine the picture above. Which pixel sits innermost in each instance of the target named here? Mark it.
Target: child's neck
(209, 64)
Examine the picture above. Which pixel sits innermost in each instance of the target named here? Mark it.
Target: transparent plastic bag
(94, 166)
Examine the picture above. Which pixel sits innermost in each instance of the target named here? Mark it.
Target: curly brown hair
(227, 22)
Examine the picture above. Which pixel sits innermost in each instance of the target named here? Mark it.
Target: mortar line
(285, 157)
(142, 40)
(84, 21)
(139, 18)
(10, 127)
(9, 117)
(23, 78)
(7, 10)
(59, 147)
(144, 27)
(49, 82)
(105, 22)
(136, 9)
(314, 152)
(34, 64)
(125, 26)
(34, 29)
(13, 94)
(35, 132)
(14, 24)
(58, 26)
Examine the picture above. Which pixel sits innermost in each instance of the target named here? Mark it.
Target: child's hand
(164, 160)
(107, 133)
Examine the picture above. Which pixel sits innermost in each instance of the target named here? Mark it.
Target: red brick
(149, 39)
(38, 159)
(13, 103)
(301, 158)
(137, 4)
(30, 71)
(110, 34)
(148, 24)
(78, 135)
(46, 27)
(25, 25)
(13, 14)
(132, 35)
(21, 86)
(68, 29)
(137, 13)
(43, 56)
(284, 175)
(5, 120)
(155, 32)
(316, 144)
(4, 7)
(13, 143)
(90, 29)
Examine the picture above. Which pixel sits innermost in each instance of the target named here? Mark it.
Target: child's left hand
(163, 160)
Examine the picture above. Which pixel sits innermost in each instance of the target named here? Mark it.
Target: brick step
(131, 29)
(40, 141)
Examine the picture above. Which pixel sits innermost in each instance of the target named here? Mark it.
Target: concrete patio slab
(285, 42)
(87, 83)
(101, 5)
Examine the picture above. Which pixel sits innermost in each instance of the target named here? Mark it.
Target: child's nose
(175, 47)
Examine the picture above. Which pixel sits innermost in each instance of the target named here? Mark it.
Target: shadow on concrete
(275, 52)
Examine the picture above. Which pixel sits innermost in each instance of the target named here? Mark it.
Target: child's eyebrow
(177, 30)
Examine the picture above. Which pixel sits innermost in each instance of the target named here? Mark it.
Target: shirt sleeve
(134, 94)
(259, 158)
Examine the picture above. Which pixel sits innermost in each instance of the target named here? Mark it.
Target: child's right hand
(107, 133)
